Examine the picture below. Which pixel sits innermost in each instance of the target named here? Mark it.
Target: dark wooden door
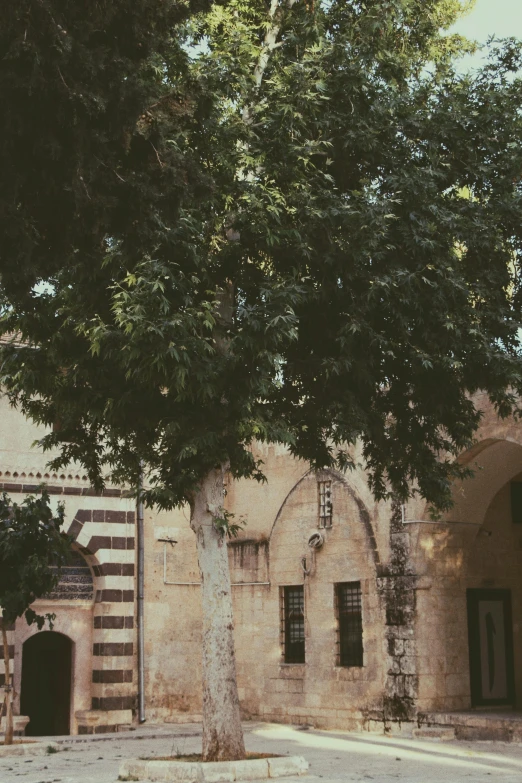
(46, 684)
(490, 633)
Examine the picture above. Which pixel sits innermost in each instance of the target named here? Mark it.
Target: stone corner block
(217, 771)
(19, 723)
(155, 770)
(249, 769)
(286, 766)
(88, 717)
(28, 748)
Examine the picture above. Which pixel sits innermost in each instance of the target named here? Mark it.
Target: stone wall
(413, 573)
(101, 625)
(318, 692)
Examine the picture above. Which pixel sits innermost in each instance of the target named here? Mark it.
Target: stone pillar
(396, 583)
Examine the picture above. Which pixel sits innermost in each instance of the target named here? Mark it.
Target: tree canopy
(32, 552)
(313, 186)
(87, 109)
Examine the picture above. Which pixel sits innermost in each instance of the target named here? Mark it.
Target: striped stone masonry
(10, 643)
(106, 540)
(56, 489)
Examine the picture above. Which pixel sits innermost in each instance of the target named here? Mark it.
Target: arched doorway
(469, 594)
(46, 684)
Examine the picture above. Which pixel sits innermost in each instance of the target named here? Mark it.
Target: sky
(501, 18)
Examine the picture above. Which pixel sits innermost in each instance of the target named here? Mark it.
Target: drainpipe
(141, 595)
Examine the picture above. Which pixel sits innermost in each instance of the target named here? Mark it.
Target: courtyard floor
(333, 756)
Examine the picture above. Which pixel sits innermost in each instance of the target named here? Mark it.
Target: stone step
(492, 725)
(435, 732)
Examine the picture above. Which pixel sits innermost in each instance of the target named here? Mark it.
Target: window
(325, 503)
(349, 617)
(516, 502)
(293, 629)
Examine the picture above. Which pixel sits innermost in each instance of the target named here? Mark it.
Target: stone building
(348, 613)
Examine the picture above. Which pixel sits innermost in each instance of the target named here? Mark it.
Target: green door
(490, 633)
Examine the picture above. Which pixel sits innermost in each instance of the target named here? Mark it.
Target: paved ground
(333, 756)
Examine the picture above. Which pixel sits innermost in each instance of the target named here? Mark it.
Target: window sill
(348, 668)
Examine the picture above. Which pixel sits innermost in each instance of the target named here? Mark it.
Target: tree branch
(270, 43)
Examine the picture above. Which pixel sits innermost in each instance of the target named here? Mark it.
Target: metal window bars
(349, 615)
(293, 635)
(325, 503)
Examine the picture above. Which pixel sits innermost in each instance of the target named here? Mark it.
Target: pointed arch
(364, 515)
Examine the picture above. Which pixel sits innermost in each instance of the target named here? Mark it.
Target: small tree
(32, 551)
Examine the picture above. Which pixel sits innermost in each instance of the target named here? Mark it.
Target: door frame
(473, 596)
(75, 620)
(33, 641)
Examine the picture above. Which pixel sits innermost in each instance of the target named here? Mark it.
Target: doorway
(46, 684)
(490, 631)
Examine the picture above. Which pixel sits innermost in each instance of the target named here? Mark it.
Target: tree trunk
(222, 731)
(9, 731)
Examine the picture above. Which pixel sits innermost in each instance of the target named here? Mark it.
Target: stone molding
(57, 489)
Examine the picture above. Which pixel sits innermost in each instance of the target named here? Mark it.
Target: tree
(348, 272)
(32, 552)
(82, 138)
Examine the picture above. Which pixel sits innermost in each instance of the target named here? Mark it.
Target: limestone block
(88, 717)
(408, 664)
(286, 767)
(103, 718)
(132, 769)
(294, 686)
(19, 723)
(430, 686)
(28, 748)
(250, 769)
(443, 733)
(457, 685)
(275, 685)
(178, 771)
(221, 772)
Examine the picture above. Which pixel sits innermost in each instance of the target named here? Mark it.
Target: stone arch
(349, 555)
(474, 547)
(363, 513)
(102, 537)
(73, 604)
(101, 624)
(495, 461)
(74, 620)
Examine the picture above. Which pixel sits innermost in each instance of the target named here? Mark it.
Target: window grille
(293, 626)
(349, 617)
(325, 503)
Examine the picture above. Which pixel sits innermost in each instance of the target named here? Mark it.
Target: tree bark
(222, 731)
(9, 729)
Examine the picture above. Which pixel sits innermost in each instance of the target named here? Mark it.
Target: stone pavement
(334, 756)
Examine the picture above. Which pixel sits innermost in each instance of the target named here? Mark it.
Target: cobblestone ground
(333, 756)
